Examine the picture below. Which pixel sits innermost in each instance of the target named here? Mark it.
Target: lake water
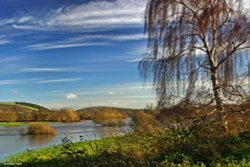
(12, 142)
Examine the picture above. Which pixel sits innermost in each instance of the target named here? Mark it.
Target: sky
(73, 53)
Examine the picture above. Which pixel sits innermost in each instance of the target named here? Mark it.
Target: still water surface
(12, 142)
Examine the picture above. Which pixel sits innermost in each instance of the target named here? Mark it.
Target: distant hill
(22, 111)
(20, 105)
(105, 113)
(100, 108)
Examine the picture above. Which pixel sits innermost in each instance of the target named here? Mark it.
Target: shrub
(144, 122)
(69, 115)
(39, 129)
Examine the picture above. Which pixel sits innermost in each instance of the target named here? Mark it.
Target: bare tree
(195, 41)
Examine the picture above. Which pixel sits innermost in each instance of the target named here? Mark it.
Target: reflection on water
(12, 142)
(37, 140)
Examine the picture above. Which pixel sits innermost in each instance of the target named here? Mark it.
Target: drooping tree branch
(194, 41)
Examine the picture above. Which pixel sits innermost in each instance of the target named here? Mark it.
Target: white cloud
(134, 60)
(139, 50)
(97, 14)
(71, 96)
(111, 93)
(128, 37)
(8, 59)
(92, 15)
(37, 81)
(25, 19)
(47, 46)
(59, 80)
(42, 69)
(10, 82)
(120, 37)
(85, 40)
(4, 40)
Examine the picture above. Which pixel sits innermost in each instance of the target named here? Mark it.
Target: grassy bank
(163, 148)
(12, 123)
(22, 123)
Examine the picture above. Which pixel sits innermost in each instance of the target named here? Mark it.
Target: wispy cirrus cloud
(9, 59)
(37, 81)
(25, 19)
(42, 69)
(9, 82)
(18, 81)
(59, 80)
(60, 45)
(92, 15)
(119, 37)
(86, 40)
(4, 40)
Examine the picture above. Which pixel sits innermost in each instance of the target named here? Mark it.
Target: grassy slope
(7, 103)
(24, 105)
(31, 105)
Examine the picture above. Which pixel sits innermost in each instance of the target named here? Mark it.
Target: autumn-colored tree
(195, 44)
(68, 115)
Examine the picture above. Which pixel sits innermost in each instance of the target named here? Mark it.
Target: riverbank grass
(22, 123)
(162, 148)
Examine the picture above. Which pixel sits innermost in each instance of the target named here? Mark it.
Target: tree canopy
(198, 48)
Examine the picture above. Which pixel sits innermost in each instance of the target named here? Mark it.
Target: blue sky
(73, 53)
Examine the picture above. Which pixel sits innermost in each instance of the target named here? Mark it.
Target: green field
(7, 103)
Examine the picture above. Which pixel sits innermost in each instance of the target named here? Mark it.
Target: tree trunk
(217, 96)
